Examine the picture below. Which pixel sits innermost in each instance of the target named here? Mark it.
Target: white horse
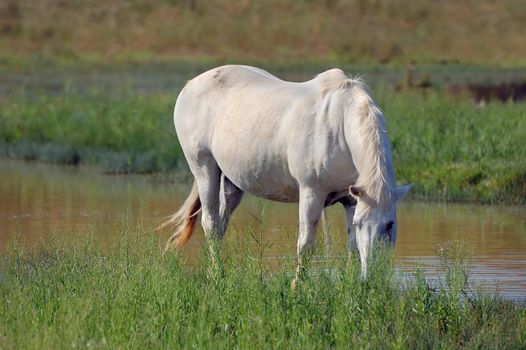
(317, 142)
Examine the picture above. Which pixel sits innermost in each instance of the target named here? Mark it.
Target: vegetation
(37, 32)
(123, 134)
(455, 150)
(127, 296)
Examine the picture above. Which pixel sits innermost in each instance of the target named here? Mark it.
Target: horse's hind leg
(207, 176)
(229, 198)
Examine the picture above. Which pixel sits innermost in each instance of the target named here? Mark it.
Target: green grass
(126, 296)
(124, 134)
(452, 149)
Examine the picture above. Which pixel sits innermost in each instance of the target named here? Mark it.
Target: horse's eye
(389, 226)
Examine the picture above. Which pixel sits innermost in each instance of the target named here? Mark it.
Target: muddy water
(36, 199)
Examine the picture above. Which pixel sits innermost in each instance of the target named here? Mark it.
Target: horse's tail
(183, 220)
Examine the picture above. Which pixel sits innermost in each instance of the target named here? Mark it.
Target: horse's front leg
(310, 207)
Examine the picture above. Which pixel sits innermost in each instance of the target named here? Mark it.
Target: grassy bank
(451, 149)
(126, 296)
(123, 134)
(454, 150)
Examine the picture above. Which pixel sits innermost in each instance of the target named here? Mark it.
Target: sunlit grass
(126, 295)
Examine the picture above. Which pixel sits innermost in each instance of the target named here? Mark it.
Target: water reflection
(36, 199)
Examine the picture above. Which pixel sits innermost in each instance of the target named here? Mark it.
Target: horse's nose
(387, 236)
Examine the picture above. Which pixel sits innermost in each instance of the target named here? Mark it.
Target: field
(126, 295)
(450, 147)
(482, 32)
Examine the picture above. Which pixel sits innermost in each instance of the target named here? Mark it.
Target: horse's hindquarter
(266, 135)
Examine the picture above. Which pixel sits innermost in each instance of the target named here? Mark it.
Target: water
(36, 199)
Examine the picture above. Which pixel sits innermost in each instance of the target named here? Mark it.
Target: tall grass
(127, 296)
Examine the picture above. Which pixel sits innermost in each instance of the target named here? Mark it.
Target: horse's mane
(374, 163)
(332, 80)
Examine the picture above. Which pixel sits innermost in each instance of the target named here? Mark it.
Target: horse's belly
(263, 182)
(268, 187)
(258, 170)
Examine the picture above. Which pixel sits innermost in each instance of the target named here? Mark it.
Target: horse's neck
(370, 148)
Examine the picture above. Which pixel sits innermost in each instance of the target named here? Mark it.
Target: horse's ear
(356, 192)
(402, 191)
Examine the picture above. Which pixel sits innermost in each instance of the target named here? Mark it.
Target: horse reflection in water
(318, 142)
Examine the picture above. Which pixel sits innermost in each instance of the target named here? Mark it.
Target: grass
(124, 134)
(39, 32)
(80, 294)
(456, 151)
(452, 149)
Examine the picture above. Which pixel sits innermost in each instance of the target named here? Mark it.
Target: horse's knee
(210, 223)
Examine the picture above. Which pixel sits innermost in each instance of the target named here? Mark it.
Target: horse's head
(373, 222)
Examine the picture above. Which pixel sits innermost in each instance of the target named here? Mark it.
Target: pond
(37, 199)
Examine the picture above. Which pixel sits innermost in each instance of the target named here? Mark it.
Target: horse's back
(223, 78)
(236, 101)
